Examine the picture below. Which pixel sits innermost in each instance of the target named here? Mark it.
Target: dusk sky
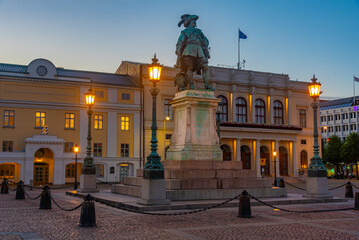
(295, 37)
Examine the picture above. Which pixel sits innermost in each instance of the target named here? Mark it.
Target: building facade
(339, 117)
(40, 97)
(260, 113)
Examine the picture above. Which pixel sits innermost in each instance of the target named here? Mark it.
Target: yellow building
(40, 95)
(260, 113)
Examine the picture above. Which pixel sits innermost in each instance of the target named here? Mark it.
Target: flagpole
(239, 53)
(354, 88)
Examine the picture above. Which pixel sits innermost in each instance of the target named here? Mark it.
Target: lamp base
(317, 187)
(153, 192)
(88, 183)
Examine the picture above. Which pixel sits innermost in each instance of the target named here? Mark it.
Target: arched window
(7, 170)
(246, 157)
(241, 110)
(223, 109)
(227, 153)
(303, 159)
(278, 112)
(260, 111)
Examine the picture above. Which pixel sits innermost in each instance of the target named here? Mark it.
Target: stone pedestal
(317, 187)
(153, 192)
(194, 136)
(88, 183)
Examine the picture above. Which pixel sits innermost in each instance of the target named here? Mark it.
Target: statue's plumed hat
(186, 19)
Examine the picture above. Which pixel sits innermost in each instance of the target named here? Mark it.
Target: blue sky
(295, 37)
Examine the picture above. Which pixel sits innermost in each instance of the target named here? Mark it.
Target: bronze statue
(192, 54)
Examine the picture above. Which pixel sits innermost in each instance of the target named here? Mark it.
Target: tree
(350, 148)
(332, 151)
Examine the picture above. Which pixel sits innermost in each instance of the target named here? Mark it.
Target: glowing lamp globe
(90, 97)
(154, 70)
(314, 88)
(274, 154)
(76, 149)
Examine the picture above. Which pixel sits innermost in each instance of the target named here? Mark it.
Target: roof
(95, 77)
(338, 103)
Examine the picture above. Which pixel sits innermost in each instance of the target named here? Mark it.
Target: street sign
(263, 161)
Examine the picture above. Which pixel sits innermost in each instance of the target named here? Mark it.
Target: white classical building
(339, 117)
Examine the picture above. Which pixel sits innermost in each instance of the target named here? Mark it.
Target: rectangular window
(353, 127)
(98, 121)
(168, 136)
(99, 94)
(70, 120)
(125, 123)
(99, 170)
(303, 142)
(168, 109)
(126, 96)
(68, 146)
(97, 149)
(7, 146)
(302, 118)
(125, 152)
(9, 118)
(40, 119)
(70, 170)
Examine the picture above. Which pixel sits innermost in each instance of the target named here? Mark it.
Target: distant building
(260, 113)
(39, 95)
(339, 117)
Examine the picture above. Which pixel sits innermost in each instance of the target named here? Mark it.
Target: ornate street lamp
(88, 166)
(275, 168)
(153, 168)
(76, 151)
(88, 170)
(317, 182)
(316, 166)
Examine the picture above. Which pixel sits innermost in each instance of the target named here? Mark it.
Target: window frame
(7, 146)
(278, 112)
(40, 118)
(223, 108)
(125, 150)
(168, 109)
(303, 118)
(260, 111)
(241, 110)
(10, 118)
(98, 122)
(97, 149)
(69, 120)
(125, 123)
(100, 170)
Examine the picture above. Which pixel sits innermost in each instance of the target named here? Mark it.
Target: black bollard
(349, 190)
(281, 183)
(88, 217)
(356, 204)
(4, 187)
(45, 201)
(20, 194)
(244, 209)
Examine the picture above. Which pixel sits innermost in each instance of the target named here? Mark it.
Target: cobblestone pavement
(22, 219)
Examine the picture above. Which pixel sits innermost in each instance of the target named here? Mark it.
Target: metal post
(244, 208)
(349, 190)
(45, 201)
(20, 194)
(153, 168)
(75, 184)
(88, 215)
(4, 187)
(356, 204)
(275, 172)
(88, 166)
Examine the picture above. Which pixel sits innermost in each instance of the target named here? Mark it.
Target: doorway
(265, 154)
(124, 170)
(283, 161)
(246, 157)
(41, 173)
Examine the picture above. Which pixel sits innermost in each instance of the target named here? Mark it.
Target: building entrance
(123, 172)
(41, 173)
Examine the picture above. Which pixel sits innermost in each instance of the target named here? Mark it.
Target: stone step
(126, 190)
(208, 174)
(133, 181)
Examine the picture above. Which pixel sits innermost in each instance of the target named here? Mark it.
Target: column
(271, 110)
(253, 109)
(136, 135)
(234, 109)
(276, 147)
(112, 134)
(294, 159)
(238, 150)
(258, 156)
(59, 171)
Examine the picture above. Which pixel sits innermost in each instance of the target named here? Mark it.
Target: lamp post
(275, 168)
(153, 189)
(317, 182)
(167, 118)
(88, 170)
(76, 150)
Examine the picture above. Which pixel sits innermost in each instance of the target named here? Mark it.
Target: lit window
(125, 150)
(9, 118)
(40, 119)
(7, 171)
(168, 109)
(241, 107)
(125, 123)
(7, 146)
(99, 170)
(260, 111)
(98, 121)
(70, 120)
(303, 159)
(97, 149)
(302, 118)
